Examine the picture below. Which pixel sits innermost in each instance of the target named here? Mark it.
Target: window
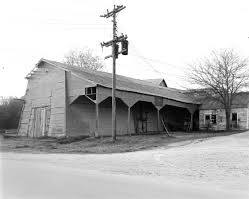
(207, 119)
(234, 117)
(213, 118)
(210, 119)
(90, 91)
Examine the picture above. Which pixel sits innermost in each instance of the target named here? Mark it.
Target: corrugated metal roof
(125, 83)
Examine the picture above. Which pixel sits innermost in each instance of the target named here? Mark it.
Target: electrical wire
(162, 74)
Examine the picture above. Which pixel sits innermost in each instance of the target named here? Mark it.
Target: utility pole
(114, 43)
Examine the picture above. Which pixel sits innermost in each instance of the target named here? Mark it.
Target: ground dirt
(99, 145)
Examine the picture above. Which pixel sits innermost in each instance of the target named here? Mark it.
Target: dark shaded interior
(81, 100)
(107, 103)
(196, 120)
(175, 118)
(144, 114)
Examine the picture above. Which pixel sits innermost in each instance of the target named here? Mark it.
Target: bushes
(10, 112)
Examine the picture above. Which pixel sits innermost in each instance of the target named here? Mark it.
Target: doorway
(145, 117)
(40, 121)
(234, 120)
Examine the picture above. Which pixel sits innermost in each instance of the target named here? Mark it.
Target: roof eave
(146, 93)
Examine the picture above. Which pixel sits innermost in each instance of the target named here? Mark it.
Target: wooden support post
(158, 119)
(191, 121)
(66, 104)
(129, 121)
(97, 120)
(20, 119)
(191, 111)
(247, 122)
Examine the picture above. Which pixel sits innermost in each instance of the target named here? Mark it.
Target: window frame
(211, 119)
(214, 118)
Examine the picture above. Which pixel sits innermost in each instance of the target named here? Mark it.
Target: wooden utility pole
(114, 56)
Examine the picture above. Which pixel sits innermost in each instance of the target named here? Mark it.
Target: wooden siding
(81, 119)
(76, 86)
(130, 98)
(105, 118)
(46, 88)
(221, 118)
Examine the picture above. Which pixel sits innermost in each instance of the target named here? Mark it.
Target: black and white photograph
(122, 99)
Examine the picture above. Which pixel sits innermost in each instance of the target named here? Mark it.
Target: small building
(212, 114)
(63, 100)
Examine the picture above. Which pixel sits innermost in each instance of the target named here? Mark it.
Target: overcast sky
(165, 36)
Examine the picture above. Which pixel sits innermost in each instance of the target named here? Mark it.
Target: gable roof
(241, 100)
(158, 82)
(123, 83)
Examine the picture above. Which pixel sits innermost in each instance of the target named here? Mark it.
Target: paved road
(31, 180)
(211, 168)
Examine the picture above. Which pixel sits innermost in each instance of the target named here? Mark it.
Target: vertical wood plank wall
(80, 117)
(46, 88)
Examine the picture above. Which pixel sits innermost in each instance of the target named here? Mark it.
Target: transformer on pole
(115, 52)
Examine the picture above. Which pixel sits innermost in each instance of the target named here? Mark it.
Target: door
(43, 121)
(40, 122)
(234, 120)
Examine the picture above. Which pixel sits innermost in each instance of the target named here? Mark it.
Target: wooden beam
(191, 121)
(20, 119)
(129, 120)
(247, 122)
(97, 120)
(158, 119)
(66, 103)
(165, 128)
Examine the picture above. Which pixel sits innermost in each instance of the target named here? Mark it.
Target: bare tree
(222, 75)
(83, 58)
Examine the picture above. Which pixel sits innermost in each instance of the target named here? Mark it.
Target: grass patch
(85, 144)
(68, 140)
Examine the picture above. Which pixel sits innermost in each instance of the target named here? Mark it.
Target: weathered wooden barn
(62, 100)
(212, 114)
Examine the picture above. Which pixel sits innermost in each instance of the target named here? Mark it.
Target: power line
(72, 24)
(147, 61)
(163, 62)
(150, 59)
(156, 70)
(155, 60)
